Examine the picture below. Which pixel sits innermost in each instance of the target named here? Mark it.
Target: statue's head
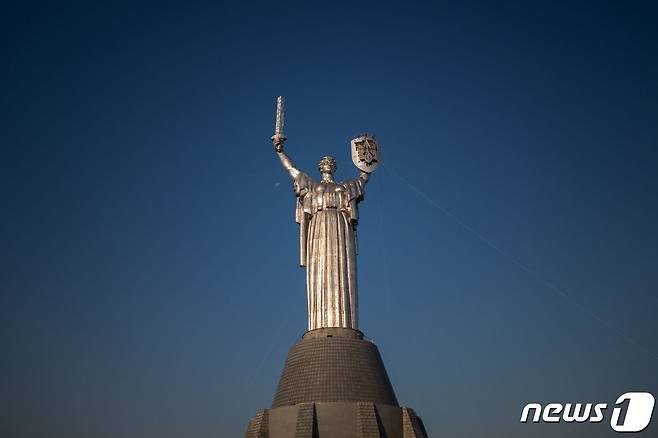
(327, 165)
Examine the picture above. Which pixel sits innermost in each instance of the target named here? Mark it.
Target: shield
(365, 153)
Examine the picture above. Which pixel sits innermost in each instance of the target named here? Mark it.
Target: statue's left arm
(355, 193)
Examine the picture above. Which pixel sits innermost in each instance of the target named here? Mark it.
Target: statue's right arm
(277, 141)
(288, 164)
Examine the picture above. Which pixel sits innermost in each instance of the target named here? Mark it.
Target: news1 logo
(632, 412)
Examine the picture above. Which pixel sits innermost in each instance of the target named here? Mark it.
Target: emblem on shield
(365, 153)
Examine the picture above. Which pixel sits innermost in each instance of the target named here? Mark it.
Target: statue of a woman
(327, 214)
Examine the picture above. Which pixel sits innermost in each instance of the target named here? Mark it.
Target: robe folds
(327, 213)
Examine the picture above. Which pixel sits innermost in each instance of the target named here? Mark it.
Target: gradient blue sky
(508, 249)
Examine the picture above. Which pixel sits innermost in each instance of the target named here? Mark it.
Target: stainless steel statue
(327, 214)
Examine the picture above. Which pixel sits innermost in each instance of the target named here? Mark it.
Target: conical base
(334, 384)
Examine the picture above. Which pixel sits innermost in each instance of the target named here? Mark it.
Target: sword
(278, 129)
(278, 136)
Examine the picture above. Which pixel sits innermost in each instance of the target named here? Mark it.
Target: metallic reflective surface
(278, 127)
(327, 214)
(365, 153)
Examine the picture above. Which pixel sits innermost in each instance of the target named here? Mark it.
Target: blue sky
(508, 249)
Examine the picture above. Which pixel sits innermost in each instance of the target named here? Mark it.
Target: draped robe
(327, 213)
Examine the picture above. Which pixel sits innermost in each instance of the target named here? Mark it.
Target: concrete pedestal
(334, 384)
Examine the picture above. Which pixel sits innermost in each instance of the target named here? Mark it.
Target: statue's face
(327, 165)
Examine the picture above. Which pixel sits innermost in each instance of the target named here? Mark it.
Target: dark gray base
(334, 385)
(331, 365)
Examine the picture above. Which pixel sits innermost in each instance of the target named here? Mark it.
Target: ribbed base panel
(337, 420)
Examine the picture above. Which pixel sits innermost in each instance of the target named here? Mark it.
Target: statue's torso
(328, 194)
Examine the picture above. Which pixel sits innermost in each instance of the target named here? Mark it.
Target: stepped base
(337, 420)
(333, 385)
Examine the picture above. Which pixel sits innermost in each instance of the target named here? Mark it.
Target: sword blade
(278, 128)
